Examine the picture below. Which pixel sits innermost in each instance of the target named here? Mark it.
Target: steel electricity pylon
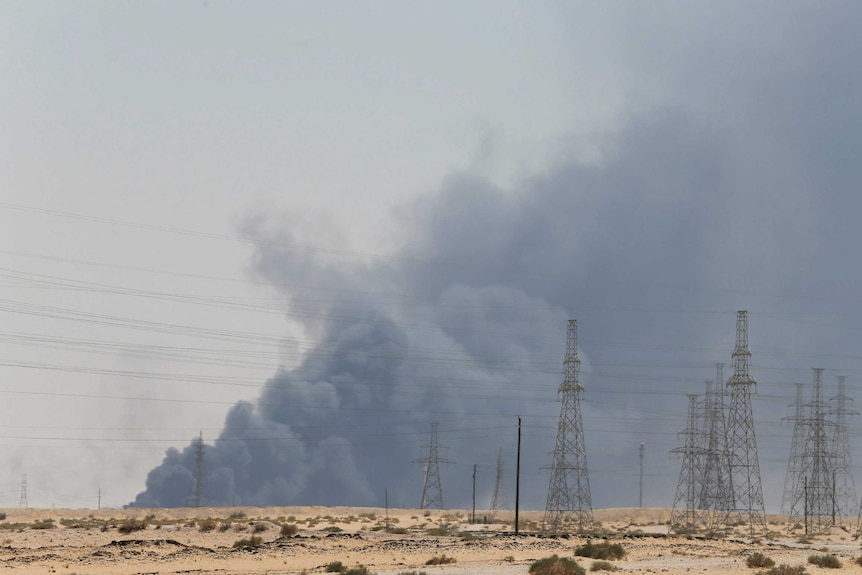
(199, 470)
(687, 515)
(499, 500)
(744, 467)
(715, 497)
(845, 485)
(22, 500)
(569, 505)
(432, 492)
(818, 464)
(792, 500)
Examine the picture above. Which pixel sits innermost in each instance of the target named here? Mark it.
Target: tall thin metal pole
(386, 501)
(641, 495)
(518, 477)
(474, 493)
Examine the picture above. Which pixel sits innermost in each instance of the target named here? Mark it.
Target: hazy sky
(289, 204)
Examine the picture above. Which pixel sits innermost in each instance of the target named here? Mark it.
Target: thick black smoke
(715, 202)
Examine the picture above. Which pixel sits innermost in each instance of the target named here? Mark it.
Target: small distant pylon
(569, 505)
(499, 501)
(818, 464)
(845, 485)
(199, 470)
(744, 468)
(432, 492)
(792, 500)
(715, 496)
(22, 501)
(686, 515)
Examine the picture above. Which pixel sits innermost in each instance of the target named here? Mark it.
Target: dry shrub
(603, 550)
(130, 525)
(441, 560)
(757, 560)
(827, 561)
(554, 565)
(253, 541)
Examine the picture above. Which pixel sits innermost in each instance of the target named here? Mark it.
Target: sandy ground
(201, 540)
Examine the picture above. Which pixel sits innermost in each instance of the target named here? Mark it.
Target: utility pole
(386, 501)
(474, 494)
(518, 477)
(99, 504)
(641, 484)
(569, 504)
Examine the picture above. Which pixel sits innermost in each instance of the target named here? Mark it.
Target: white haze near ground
(646, 169)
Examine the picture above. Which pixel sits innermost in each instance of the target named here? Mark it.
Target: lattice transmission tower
(499, 500)
(569, 505)
(432, 492)
(199, 470)
(792, 500)
(818, 464)
(22, 500)
(687, 515)
(845, 485)
(715, 496)
(744, 467)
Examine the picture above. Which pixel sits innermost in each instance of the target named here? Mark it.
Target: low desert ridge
(255, 540)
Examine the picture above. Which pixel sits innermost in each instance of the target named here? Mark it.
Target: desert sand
(202, 540)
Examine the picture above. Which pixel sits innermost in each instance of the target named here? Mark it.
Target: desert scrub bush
(335, 567)
(358, 570)
(603, 550)
(206, 525)
(757, 560)
(603, 566)
(236, 515)
(555, 565)
(224, 526)
(397, 530)
(826, 560)
(253, 541)
(785, 570)
(413, 573)
(289, 530)
(130, 525)
(43, 524)
(441, 560)
(258, 528)
(332, 529)
(2, 516)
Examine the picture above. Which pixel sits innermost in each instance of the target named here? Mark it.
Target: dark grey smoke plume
(741, 192)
